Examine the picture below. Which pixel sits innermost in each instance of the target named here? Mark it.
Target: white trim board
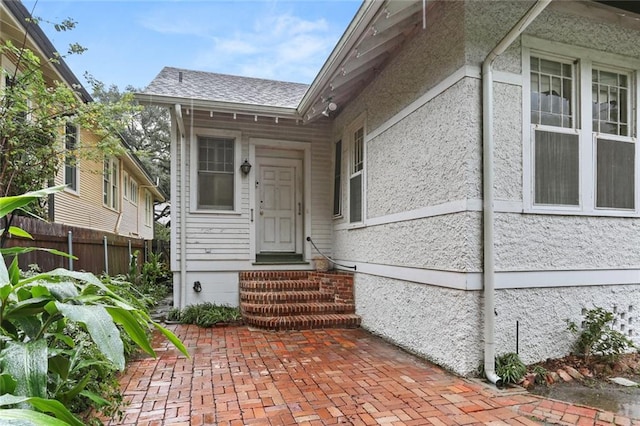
(472, 205)
(504, 279)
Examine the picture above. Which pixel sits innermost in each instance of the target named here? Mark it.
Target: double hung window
(583, 141)
(337, 180)
(216, 173)
(70, 158)
(356, 176)
(111, 178)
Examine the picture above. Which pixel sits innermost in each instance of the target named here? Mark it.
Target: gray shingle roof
(225, 88)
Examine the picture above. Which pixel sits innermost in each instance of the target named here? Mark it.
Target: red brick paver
(241, 376)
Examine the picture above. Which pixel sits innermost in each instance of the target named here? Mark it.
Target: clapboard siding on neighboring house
(81, 204)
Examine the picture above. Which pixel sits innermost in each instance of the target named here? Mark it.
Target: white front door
(279, 188)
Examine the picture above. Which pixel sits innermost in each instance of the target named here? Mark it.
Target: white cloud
(283, 47)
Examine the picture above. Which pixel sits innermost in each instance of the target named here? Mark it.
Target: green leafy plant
(154, 279)
(205, 314)
(42, 364)
(510, 368)
(596, 337)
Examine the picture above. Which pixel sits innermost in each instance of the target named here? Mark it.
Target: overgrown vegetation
(205, 314)
(595, 336)
(154, 279)
(64, 335)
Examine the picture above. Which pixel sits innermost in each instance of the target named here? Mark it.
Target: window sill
(217, 212)
(576, 212)
(358, 225)
(72, 192)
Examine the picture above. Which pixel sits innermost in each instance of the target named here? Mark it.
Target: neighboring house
(380, 162)
(115, 195)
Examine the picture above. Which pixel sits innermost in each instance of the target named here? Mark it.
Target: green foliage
(596, 337)
(62, 336)
(205, 314)
(510, 368)
(154, 279)
(33, 114)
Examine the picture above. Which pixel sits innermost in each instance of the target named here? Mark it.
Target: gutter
(217, 106)
(488, 191)
(182, 207)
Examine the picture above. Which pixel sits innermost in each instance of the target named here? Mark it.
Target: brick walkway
(242, 376)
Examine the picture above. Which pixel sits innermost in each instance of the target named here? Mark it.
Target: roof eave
(48, 50)
(357, 27)
(227, 107)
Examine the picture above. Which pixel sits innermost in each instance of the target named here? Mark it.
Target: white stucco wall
(554, 242)
(541, 314)
(436, 323)
(446, 325)
(447, 242)
(430, 157)
(433, 156)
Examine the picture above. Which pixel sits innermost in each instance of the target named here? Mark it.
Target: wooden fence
(95, 251)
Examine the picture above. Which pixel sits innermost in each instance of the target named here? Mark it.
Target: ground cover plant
(205, 314)
(59, 330)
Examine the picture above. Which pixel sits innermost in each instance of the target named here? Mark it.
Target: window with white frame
(70, 159)
(337, 180)
(133, 192)
(356, 170)
(110, 190)
(216, 173)
(125, 185)
(148, 208)
(582, 140)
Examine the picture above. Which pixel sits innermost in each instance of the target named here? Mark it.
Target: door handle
(299, 209)
(251, 215)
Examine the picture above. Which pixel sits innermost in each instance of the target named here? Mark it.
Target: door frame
(294, 164)
(285, 146)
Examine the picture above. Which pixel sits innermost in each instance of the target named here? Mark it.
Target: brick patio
(242, 376)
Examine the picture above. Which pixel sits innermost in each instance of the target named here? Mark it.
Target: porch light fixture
(245, 167)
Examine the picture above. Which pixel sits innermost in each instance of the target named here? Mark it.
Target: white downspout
(487, 187)
(183, 207)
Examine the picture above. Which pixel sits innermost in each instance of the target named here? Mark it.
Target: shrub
(596, 337)
(510, 368)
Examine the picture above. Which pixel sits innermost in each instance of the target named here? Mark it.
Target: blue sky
(129, 42)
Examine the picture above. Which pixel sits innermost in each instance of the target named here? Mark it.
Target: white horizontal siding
(219, 236)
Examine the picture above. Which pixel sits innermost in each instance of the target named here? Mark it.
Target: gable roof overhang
(17, 23)
(369, 42)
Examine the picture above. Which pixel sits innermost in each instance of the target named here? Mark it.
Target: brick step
(304, 322)
(289, 309)
(279, 285)
(284, 297)
(273, 275)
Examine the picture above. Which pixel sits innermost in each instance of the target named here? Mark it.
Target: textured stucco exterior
(445, 325)
(447, 242)
(439, 324)
(541, 315)
(554, 242)
(432, 156)
(429, 157)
